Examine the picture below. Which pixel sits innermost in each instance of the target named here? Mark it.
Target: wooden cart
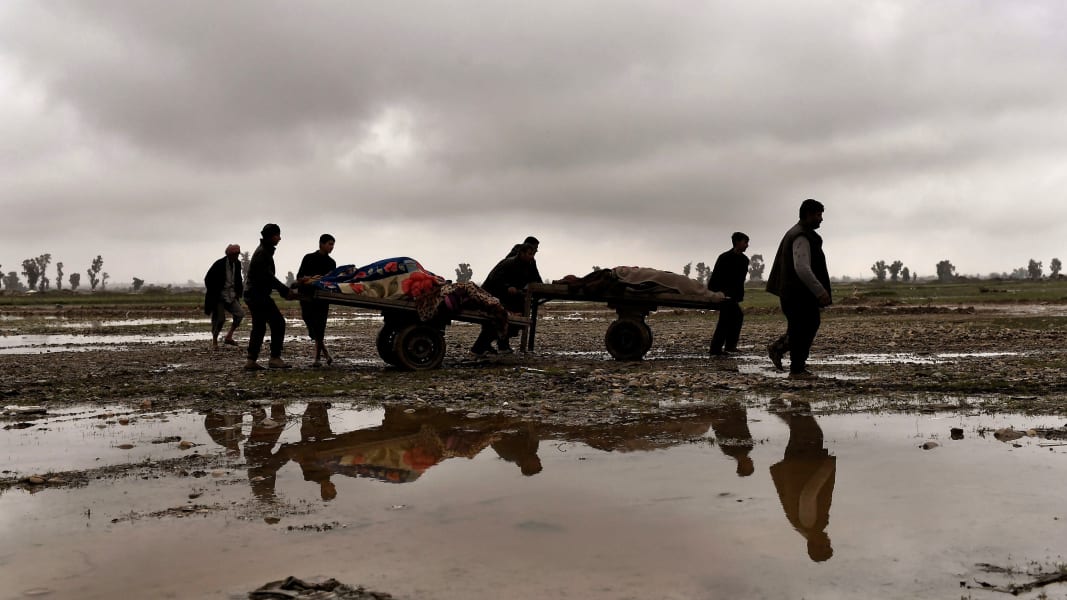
(404, 341)
(628, 337)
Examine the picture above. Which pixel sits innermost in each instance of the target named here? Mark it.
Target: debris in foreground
(314, 589)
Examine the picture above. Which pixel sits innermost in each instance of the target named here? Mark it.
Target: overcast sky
(617, 132)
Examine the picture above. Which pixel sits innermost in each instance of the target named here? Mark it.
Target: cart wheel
(420, 347)
(386, 344)
(628, 339)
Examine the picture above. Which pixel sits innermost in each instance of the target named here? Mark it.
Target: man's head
(271, 233)
(233, 251)
(531, 241)
(326, 243)
(811, 213)
(527, 252)
(740, 241)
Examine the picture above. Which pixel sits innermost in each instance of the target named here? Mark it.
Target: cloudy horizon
(618, 133)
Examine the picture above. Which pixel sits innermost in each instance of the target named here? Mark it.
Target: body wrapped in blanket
(404, 278)
(607, 282)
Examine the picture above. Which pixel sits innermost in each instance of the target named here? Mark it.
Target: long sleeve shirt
(802, 264)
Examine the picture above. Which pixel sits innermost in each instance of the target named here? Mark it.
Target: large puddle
(100, 335)
(757, 502)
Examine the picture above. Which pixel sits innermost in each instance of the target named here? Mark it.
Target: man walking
(728, 276)
(801, 280)
(224, 288)
(261, 282)
(316, 312)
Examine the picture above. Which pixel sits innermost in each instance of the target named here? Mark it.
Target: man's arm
(802, 264)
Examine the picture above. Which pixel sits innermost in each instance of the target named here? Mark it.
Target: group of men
(799, 277)
(225, 288)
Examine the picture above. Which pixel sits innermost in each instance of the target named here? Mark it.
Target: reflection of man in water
(805, 482)
(225, 430)
(520, 447)
(731, 433)
(262, 464)
(315, 427)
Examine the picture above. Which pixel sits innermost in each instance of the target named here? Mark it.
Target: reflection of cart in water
(400, 450)
(410, 441)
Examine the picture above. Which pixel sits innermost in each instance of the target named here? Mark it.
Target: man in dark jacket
(728, 276)
(529, 241)
(224, 288)
(258, 287)
(801, 280)
(316, 312)
(507, 282)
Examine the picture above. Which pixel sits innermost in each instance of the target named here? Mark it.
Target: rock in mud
(329, 589)
(1008, 434)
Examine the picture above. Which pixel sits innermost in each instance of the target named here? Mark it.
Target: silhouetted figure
(801, 280)
(507, 282)
(316, 312)
(259, 284)
(728, 276)
(224, 286)
(733, 437)
(805, 481)
(529, 241)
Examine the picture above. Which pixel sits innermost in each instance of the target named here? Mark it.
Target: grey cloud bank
(155, 133)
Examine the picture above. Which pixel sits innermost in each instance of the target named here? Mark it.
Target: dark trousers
(728, 329)
(315, 313)
(485, 340)
(803, 318)
(265, 312)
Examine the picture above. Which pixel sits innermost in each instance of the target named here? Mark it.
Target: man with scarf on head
(224, 287)
(258, 286)
(801, 280)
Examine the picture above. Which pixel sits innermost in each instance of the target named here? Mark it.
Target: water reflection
(731, 431)
(410, 441)
(805, 479)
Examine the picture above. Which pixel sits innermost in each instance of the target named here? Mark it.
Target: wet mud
(923, 462)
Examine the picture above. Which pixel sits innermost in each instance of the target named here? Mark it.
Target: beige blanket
(656, 281)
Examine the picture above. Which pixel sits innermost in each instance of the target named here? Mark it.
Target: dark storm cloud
(659, 118)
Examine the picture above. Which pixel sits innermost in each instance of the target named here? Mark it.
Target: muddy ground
(996, 359)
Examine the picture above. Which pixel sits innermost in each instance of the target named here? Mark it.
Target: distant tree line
(896, 271)
(35, 270)
(756, 266)
(1034, 271)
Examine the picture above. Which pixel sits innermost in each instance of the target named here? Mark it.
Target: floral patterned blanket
(403, 278)
(396, 278)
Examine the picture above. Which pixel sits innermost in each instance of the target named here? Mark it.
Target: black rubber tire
(420, 347)
(386, 344)
(628, 339)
